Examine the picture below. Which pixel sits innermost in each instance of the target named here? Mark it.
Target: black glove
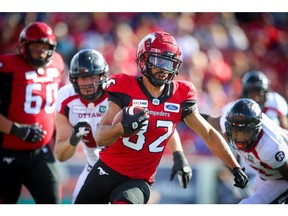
(30, 133)
(81, 129)
(241, 179)
(132, 123)
(182, 168)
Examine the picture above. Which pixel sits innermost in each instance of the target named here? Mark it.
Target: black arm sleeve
(188, 108)
(121, 100)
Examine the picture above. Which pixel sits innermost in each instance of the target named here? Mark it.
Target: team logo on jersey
(1, 64)
(280, 156)
(171, 107)
(102, 109)
(40, 71)
(138, 102)
(109, 82)
(155, 101)
(78, 109)
(91, 105)
(8, 160)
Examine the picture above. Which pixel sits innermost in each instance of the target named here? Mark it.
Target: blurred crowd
(217, 48)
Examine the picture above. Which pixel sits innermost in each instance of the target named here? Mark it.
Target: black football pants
(36, 170)
(104, 185)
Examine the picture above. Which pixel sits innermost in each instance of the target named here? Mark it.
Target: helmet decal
(149, 39)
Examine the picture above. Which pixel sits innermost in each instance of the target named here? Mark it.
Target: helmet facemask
(39, 62)
(242, 135)
(167, 63)
(96, 85)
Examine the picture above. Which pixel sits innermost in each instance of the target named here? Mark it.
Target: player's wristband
(19, 131)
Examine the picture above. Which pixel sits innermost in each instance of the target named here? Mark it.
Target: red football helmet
(158, 49)
(38, 32)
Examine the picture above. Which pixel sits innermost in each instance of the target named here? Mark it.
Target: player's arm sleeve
(188, 107)
(120, 99)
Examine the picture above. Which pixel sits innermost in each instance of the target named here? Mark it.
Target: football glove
(241, 179)
(29, 133)
(135, 122)
(81, 129)
(182, 168)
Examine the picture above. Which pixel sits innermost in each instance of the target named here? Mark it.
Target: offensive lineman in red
(127, 166)
(29, 82)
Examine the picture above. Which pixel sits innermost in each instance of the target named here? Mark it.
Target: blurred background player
(29, 82)
(127, 166)
(263, 146)
(80, 107)
(256, 86)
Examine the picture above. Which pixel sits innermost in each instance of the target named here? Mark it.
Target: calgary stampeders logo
(149, 40)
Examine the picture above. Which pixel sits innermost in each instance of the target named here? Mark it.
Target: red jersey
(27, 96)
(138, 156)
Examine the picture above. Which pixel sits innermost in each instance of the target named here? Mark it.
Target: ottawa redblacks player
(29, 82)
(127, 166)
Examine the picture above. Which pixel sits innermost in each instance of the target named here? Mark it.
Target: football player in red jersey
(127, 166)
(79, 109)
(29, 82)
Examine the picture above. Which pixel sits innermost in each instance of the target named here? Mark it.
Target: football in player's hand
(132, 110)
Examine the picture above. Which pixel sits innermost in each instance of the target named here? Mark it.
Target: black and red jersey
(27, 96)
(138, 157)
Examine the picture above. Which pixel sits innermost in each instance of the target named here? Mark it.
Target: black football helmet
(255, 81)
(86, 63)
(243, 124)
(158, 49)
(36, 32)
